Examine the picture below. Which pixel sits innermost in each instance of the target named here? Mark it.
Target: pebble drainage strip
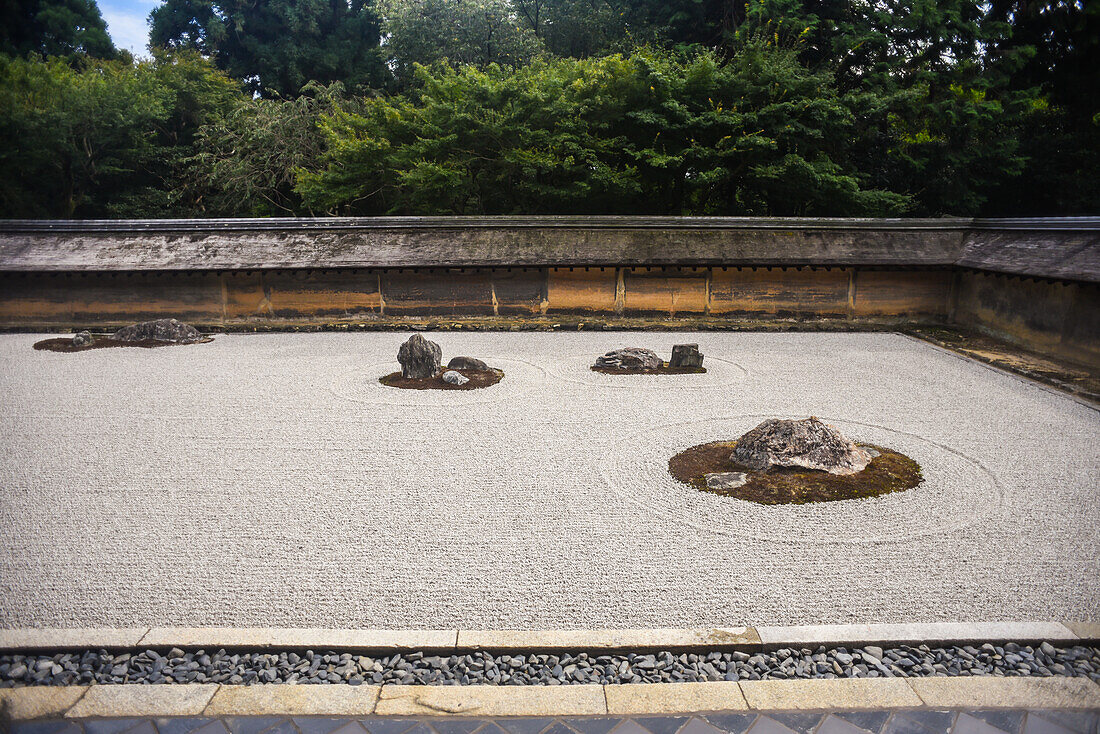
(481, 668)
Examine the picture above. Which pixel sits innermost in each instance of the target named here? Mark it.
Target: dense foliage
(277, 46)
(774, 107)
(54, 28)
(644, 133)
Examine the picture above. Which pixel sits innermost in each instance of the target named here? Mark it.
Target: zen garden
(549, 367)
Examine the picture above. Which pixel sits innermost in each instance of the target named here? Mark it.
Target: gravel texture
(270, 480)
(176, 666)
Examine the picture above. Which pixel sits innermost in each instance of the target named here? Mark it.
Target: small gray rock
(873, 651)
(686, 355)
(455, 378)
(726, 480)
(467, 363)
(82, 339)
(419, 358)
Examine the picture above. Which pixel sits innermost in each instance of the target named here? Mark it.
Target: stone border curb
(932, 634)
(128, 700)
(262, 638)
(507, 641)
(747, 639)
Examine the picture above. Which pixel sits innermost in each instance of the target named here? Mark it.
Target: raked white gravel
(269, 480)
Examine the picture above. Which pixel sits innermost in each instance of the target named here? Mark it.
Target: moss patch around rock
(888, 472)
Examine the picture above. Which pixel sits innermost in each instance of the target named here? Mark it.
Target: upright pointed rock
(419, 358)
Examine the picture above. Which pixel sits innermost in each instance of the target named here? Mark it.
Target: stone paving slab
(128, 700)
(492, 700)
(547, 701)
(671, 698)
(865, 693)
(274, 699)
(39, 702)
(1007, 692)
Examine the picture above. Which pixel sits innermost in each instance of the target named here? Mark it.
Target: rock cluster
(273, 666)
(82, 339)
(808, 443)
(637, 358)
(419, 358)
(630, 358)
(161, 330)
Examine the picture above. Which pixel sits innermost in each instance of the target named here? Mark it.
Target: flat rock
(630, 358)
(726, 479)
(161, 330)
(686, 355)
(809, 443)
(467, 363)
(455, 378)
(419, 358)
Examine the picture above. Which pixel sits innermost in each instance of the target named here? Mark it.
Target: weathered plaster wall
(322, 296)
(284, 272)
(1058, 318)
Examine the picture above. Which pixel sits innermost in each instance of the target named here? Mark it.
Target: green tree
(245, 162)
(1054, 48)
(647, 132)
(100, 139)
(461, 32)
(54, 28)
(938, 116)
(72, 138)
(278, 46)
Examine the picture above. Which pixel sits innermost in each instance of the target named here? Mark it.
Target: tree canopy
(770, 107)
(277, 46)
(54, 28)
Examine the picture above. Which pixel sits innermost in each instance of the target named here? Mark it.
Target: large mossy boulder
(161, 330)
(808, 444)
(419, 358)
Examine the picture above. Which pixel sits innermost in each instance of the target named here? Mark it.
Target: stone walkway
(989, 721)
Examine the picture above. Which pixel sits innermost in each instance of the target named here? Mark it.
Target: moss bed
(888, 472)
(478, 379)
(65, 344)
(664, 369)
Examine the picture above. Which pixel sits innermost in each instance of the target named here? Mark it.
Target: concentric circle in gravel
(576, 368)
(361, 385)
(957, 490)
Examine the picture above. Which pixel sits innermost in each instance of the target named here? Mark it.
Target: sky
(127, 23)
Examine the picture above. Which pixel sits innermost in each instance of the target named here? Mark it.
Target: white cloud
(127, 22)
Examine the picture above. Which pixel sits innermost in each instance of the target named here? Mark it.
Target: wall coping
(1065, 248)
(239, 224)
